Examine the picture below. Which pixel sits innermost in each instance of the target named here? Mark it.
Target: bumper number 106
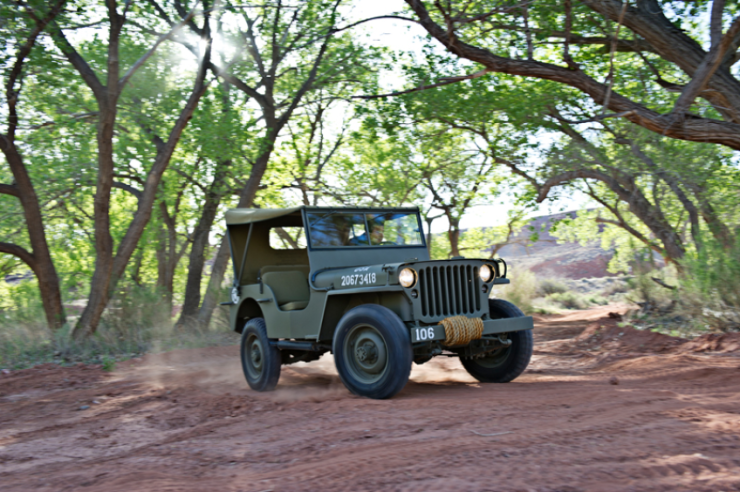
(425, 333)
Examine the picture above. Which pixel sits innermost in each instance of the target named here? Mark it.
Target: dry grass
(136, 324)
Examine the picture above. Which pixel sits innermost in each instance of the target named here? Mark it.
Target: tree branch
(16, 71)
(694, 128)
(123, 186)
(19, 252)
(445, 81)
(127, 76)
(674, 45)
(12, 190)
(85, 71)
(706, 69)
(354, 24)
(634, 232)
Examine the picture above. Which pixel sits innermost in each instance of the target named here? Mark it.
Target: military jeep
(358, 282)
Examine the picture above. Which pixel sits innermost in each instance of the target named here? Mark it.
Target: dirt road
(602, 408)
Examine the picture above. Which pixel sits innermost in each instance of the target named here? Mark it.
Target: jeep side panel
(306, 323)
(299, 324)
(338, 303)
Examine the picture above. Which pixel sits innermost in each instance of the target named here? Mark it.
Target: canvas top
(237, 216)
(249, 215)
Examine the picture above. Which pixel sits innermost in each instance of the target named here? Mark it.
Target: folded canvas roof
(238, 216)
(248, 215)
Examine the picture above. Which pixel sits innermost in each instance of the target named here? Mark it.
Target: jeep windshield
(364, 229)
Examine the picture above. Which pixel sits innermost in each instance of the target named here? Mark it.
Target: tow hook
(503, 341)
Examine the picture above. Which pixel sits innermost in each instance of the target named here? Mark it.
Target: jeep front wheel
(372, 351)
(505, 364)
(260, 360)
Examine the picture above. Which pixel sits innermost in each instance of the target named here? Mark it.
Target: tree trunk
(100, 283)
(453, 233)
(40, 259)
(136, 271)
(163, 289)
(429, 233)
(108, 270)
(627, 190)
(246, 199)
(210, 299)
(200, 242)
(170, 256)
(273, 126)
(673, 183)
(716, 226)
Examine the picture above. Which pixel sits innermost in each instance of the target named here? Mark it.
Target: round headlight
(485, 273)
(407, 277)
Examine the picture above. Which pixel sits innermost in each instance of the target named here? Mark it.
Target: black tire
(372, 351)
(260, 360)
(505, 364)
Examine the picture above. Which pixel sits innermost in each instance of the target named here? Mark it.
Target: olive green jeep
(358, 282)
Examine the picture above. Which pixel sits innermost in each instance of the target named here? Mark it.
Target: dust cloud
(215, 368)
(441, 370)
(218, 370)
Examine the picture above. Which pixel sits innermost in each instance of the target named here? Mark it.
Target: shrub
(521, 291)
(549, 286)
(569, 300)
(109, 365)
(138, 321)
(710, 286)
(649, 295)
(545, 306)
(597, 300)
(614, 288)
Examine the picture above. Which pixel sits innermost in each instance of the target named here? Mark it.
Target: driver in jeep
(377, 229)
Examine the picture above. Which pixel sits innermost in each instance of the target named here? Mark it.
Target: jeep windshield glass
(355, 229)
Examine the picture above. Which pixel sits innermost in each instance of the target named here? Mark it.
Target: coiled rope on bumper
(460, 330)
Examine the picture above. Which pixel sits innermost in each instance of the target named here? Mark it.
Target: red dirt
(601, 408)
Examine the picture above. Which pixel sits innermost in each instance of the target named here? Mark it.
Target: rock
(84, 407)
(5, 371)
(614, 380)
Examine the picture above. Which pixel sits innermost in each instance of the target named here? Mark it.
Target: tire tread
(271, 365)
(398, 343)
(524, 348)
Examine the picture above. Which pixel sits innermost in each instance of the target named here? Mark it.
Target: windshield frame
(331, 210)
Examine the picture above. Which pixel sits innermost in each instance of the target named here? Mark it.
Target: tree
(107, 92)
(28, 27)
(459, 139)
(292, 51)
(663, 183)
(456, 182)
(484, 33)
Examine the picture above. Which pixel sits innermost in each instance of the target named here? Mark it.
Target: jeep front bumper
(490, 327)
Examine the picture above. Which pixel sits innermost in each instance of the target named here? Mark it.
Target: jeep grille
(449, 290)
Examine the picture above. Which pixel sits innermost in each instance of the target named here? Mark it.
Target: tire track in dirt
(186, 421)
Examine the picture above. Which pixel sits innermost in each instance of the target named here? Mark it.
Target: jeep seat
(290, 288)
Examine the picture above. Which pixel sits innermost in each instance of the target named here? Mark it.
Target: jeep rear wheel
(507, 363)
(372, 351)
(260, 360)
